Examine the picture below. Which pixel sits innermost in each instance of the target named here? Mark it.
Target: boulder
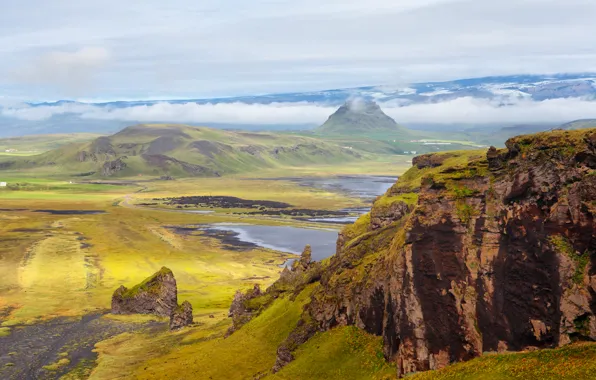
(156, 295)
(181, 316)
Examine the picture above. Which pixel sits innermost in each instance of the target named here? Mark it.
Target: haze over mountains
(491, 102)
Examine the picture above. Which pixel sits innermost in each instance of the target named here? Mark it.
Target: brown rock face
(112, 167)
(156, 295)
(430, 160)
(240, 312)
(181, 316)
(383, 216)
(499, 253)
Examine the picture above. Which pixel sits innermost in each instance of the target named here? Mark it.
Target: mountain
(362, 117)
(579, 124)
(181, 151)
(108, 117)
(535, 87)
(468, 253)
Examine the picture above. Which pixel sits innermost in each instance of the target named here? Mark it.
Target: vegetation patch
(581, 261)
(57, 365)
(465, 212)
(573, 362)
(341, 353)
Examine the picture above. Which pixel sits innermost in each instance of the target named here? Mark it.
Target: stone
(155, 295)
(181, 316)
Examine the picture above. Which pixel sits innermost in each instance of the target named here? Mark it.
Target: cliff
(470, 252)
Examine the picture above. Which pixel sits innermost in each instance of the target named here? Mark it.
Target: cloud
(191, 49)
(459, 111)
(470, 110)
(70, 70)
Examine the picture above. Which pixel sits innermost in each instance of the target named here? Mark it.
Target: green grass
(192, 151)
(574, 362)
(57, 365)
(4, 331)
(35, 144)
(247, 352)
(341, 353)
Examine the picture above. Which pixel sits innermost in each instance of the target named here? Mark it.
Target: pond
(280, 238)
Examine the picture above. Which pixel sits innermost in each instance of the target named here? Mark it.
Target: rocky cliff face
(472, 252)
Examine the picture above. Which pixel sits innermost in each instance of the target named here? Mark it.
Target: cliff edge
(470, 252)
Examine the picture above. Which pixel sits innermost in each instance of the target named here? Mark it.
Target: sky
(150, 49)
(110, 49)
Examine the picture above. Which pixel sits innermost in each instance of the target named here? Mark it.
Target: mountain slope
(180, 151)
(42, 143)
(579, 124)
(360, 117)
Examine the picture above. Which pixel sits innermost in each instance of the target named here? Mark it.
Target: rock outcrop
(240, 311)
(498, 253)
(110, 168)
(157, 295)
(181, 316)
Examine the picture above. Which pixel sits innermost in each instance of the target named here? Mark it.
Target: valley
(67, 244)
(68, 241)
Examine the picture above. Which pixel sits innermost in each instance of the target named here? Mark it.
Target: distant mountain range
(535, 87)
(107, 117)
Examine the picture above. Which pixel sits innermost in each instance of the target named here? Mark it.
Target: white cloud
(459, 111)
(188, 48)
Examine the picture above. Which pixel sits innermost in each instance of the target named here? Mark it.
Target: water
(280, 238)
(366, 187)
(293, 239)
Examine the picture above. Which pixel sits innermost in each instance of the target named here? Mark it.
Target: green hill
(579, 124)
(181, 151)
(361, 117)
(42, 143)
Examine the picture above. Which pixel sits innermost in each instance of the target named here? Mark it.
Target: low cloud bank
(465, 110)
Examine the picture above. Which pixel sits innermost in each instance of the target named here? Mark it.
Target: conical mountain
(359, 116)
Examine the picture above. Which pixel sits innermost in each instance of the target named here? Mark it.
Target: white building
(2, 184)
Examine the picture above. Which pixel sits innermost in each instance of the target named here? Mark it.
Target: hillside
(579, 124)
(468, 253)
(182, 151)
(41, 143)
(360, 117)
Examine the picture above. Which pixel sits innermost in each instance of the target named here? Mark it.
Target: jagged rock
(498, 254)
(181, 316)
(112, 167)
(239, 312)
(156, 295)
(304, 262)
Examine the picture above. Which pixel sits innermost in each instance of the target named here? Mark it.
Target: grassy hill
(35, 144)
(579, 124)
(181, 151)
